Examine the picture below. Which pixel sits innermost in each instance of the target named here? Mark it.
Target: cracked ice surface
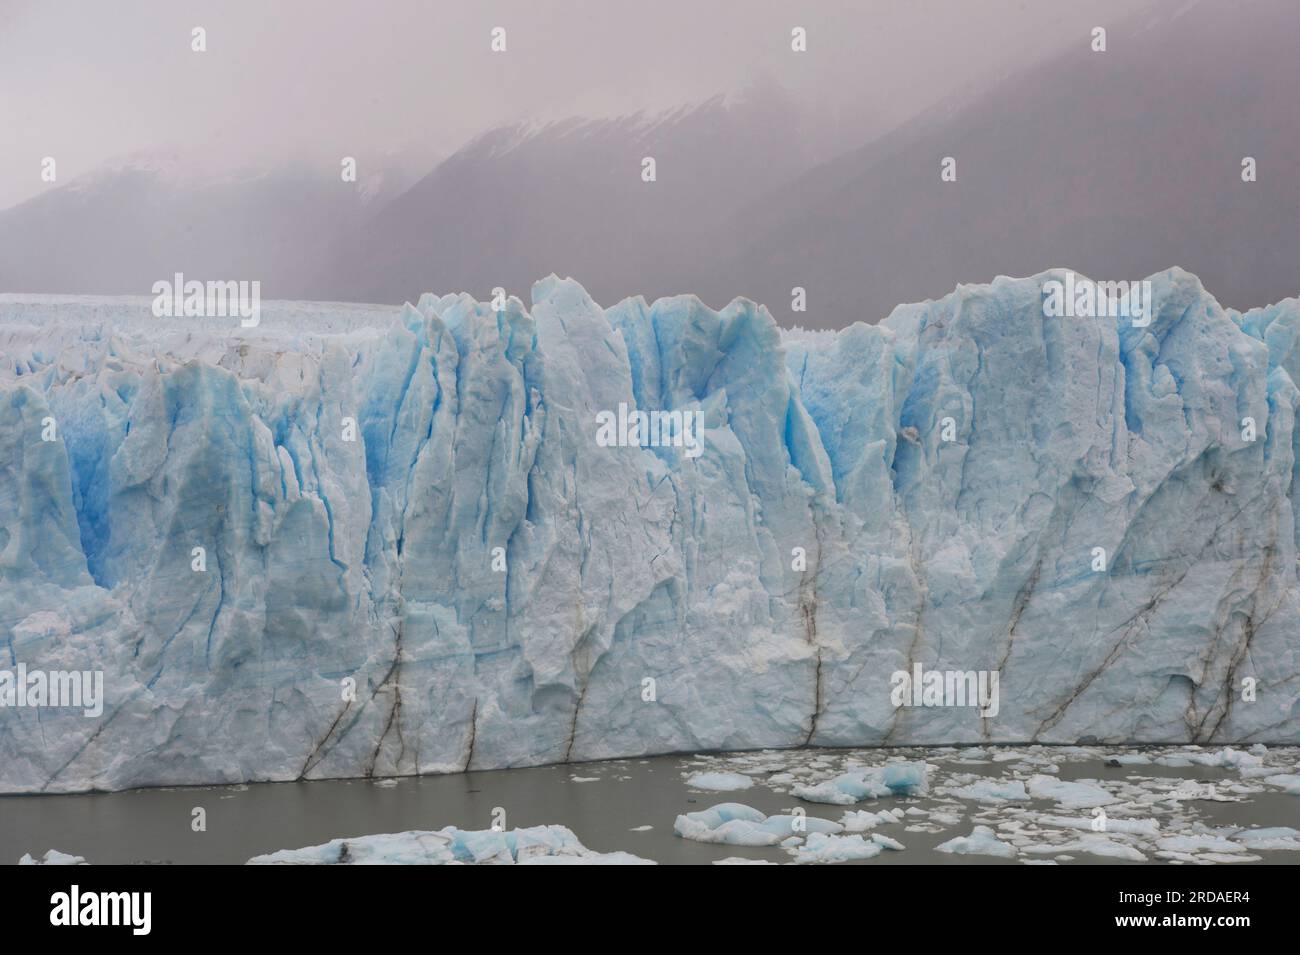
(371, 560)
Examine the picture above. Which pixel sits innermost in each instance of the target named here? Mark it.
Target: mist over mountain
(123, 228)
(569, 198)
(1117, 164)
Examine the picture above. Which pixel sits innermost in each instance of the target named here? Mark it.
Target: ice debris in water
(893, 779)
(992, 790)
(735, 824)
(820, 847)
(52, 857)
(1070, 795)
(535, 845)
(981, 841)
(720, 782)
(861, 820)
(1015, 796)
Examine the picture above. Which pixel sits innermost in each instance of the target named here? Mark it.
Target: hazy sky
(89, 81)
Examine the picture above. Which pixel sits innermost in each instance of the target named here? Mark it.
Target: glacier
(418, 559)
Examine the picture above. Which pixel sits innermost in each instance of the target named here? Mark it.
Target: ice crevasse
(418, 558)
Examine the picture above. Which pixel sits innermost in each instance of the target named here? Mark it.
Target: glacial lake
(607, 804)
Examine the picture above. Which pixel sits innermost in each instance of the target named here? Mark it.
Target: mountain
(1121, 163)
(147, 217)
(568, 197)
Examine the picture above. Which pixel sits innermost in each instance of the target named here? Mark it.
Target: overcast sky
(90, 81)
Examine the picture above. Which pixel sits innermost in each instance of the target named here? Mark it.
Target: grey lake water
(607, 804)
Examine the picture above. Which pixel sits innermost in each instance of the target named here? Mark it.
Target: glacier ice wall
(827, 536)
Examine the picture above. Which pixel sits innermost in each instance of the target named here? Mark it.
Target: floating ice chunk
(1272, 838)
(735, 824)
(992, 790)
(1007, 755)
(53, 857)
(1093, 844)
(1131, 759)
(799, 824)
(720, 782)
(739, 860)
(1224, 858)
(862, 820)
(1257, 772)
(1228, 758)
(1143, 827)
(715, 816)
(982, 841)
(590, 858)
(729, 823)
(897, 779)
(1198, 843)
(819, 847)
(536, 845)
(1070, 795)
(882, 840)
(737, 832)
(1288, 781)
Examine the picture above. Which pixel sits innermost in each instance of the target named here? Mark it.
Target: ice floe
(820, 847)
(735, 824)
(720, 782)
(52, 857)
(1027, 802)
(536, 845)
(982, 841)
(893, 779)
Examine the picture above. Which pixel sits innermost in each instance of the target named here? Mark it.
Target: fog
(85, 81)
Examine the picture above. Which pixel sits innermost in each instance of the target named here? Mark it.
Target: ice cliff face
(501, 589)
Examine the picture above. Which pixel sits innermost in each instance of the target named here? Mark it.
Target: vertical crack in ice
(1250, 626)
(809, 600)
(918, 620)
(393, 678)
(318, 751)
(90, 740)
(473, 737)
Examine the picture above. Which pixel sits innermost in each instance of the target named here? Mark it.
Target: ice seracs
(363, 541)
